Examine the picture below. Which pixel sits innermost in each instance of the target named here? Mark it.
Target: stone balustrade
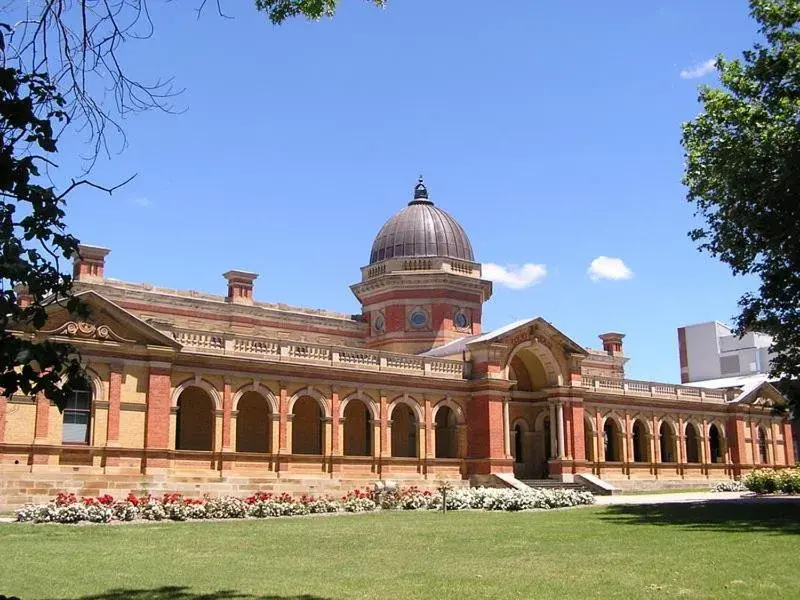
(318, 354)
(651, 389)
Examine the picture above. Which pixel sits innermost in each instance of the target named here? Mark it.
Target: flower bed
(771, 481)
(734, 485)
(68, 508)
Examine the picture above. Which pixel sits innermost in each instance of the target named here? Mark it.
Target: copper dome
(421, 229)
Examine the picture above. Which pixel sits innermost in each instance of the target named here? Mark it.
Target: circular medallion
(418, 318)
(379, 323)
(461, 319)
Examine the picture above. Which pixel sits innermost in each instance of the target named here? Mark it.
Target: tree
(743, 176)
(59, 66)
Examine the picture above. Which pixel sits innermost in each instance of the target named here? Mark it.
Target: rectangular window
(76, 418)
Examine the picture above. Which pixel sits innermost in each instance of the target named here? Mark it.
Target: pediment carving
(88, 331)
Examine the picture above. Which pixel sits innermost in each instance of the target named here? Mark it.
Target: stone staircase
(552, 484)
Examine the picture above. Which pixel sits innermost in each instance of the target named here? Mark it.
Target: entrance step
(552, 484)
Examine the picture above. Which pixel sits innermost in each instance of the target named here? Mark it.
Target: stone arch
(613, 438)
(260, 389)
(358, 414)
(693, 442)
(368, 401)
(452, 405)
(668, 441)
(197, 382)
(310, 392)
(640, 434)
(253, 420)
(520, 445)
(405, 416)
(717, 444)
(409, 401)
(540, 366)
(195, 419)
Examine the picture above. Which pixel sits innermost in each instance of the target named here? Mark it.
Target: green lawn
(717, 550)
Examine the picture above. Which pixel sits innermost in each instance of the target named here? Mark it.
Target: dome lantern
(421, 230)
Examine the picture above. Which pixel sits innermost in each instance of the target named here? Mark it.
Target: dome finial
(420, 192)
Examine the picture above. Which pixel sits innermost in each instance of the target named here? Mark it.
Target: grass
(722, 549)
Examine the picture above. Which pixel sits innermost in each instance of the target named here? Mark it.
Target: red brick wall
(485, 435)
(575, 417)
(395, 318)
(158, 407)
(42, 417)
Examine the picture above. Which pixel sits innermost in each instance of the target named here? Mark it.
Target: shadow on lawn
(773, 515)
(185, 593)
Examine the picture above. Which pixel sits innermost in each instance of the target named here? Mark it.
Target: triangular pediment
(763, 394)
(107, 323)
(528, 330)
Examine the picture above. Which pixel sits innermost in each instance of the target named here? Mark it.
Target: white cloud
(605, 267)
(700, 70)
(514, 276)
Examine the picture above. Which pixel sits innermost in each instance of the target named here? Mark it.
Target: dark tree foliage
(280, 10)
(32, 233)
(743, 175)
(60, 64)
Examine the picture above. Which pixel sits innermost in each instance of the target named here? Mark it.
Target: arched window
(518, 442)
(307, 426)
(612, 441)
(357, 429)
(641, 452)
(715, 444)
(195, 420)
(667, 443)
(77, 415)
(763, 455)
(692, 444)
(446, 433)
(404, 431)
(253, 423)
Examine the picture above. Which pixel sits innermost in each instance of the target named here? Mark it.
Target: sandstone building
(192, 390)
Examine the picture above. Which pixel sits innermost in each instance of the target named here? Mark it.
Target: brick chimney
(90, 263)
(612, 342)
(24, 297)
(240, 286)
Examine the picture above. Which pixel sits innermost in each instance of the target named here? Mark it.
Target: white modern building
(712, 351)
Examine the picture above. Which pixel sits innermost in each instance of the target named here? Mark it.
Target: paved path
(683, 497)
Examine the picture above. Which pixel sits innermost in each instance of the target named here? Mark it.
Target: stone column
(681, 441)
(599, 437)
(656, 448)
(553, 431)
(773, 431)
(386, 450)
(157, 417)
(336, 424)
(506, 429)
(705, 444)
(430, 432)
(627, 439)
(560, 430)
(227, 410)
(283, 421)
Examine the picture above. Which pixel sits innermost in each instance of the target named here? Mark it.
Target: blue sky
(550, 130)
